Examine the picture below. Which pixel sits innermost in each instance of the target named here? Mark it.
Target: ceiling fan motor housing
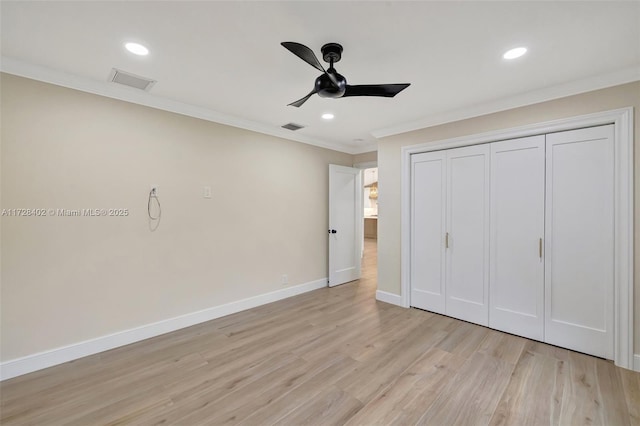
(326, 89)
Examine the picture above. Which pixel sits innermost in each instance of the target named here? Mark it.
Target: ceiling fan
(331, 84)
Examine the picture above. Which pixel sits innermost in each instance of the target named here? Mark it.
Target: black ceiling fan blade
(304, 53)
(307, 55)
(299, 102)
(386, 90)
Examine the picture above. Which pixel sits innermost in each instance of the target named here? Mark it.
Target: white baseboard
(636, 362)
(30, 363)
(383, 296)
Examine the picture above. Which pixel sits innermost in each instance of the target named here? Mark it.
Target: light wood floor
(332, 356)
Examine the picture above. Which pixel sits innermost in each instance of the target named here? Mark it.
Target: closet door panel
(468, 233)
(579, 252)
(517, 229)
(428, 223)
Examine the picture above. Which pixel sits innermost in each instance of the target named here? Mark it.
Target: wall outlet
(285, 279)
(206, 192)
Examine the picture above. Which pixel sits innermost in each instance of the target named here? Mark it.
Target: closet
(518, 235)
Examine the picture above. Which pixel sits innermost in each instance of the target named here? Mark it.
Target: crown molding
(123, 93)
(626, 75)
(111, 90)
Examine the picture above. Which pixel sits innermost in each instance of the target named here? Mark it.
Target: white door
(467, 234)
(428, 207)
(579, 255)
(345, 217)
(517, 229)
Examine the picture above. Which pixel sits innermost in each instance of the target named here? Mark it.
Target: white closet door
(579, 240)
(467, 259)
(517, 229)
(428, 230)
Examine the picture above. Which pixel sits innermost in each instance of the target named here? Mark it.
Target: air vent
(293, 126)
(131, 80)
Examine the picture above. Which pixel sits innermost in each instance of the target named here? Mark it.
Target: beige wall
(389, 163)
(69, 279)
(365, 157)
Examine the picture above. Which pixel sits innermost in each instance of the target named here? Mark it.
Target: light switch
(206, 192)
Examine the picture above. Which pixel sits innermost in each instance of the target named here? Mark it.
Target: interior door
(579, 259)
(467, 236)
(517, 230)
(428, 207)
(345, 219)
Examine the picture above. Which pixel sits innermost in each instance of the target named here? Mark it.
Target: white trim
(636, 362)
(30, 363)
(616, 78)
(624, 196)
(112, 90)
(386, 297)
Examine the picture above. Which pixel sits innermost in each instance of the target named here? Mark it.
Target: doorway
(370, 223)
(370, 203)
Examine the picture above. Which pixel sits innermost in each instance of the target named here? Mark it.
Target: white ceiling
(223, 60)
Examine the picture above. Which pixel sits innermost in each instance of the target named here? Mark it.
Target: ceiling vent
(293, 126)
(131, 80)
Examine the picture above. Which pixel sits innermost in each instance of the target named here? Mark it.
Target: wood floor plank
(297, 397)
(191, 395)
(614, 410)
(631, 386)
(331, 356)
(465, 339)
(531, 396)
(503, 346)
(472, 395)
(408, 397)
(233, 409)
(69, 406)
(364, 346)
(380, 370)
(580, 400)
(333, 406)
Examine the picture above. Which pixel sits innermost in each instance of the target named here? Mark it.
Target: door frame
(622, 119)
(358, 222)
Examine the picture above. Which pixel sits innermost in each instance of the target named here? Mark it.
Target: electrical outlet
(285, 279)
(206, 192)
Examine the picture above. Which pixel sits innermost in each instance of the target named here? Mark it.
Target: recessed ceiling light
(328, 116)
(515, 53)
(137, 49)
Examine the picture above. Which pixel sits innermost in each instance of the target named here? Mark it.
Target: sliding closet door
(467, 239)
(428, 231)
(579, 248)
(517, 230)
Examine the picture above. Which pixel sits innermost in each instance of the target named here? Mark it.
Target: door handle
(446, 240)
(540, 248)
